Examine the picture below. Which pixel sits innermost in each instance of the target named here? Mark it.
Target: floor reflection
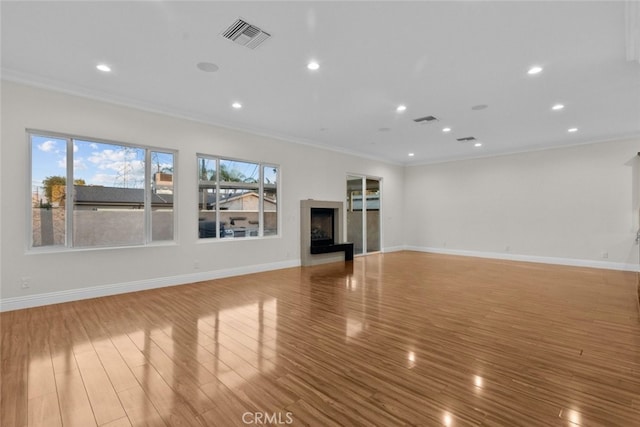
(388, 339)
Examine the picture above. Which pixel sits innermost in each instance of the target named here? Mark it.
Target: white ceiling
(437, 58)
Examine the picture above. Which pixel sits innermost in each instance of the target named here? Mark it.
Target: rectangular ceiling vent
(467, 138)
(425, 119)
(245, 34)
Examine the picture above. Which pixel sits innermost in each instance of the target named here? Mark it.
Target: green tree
(203, 170)
(54, 187)
(232, 175)
(50, 182)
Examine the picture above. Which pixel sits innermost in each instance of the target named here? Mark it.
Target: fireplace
(322, 233)
(322, 226)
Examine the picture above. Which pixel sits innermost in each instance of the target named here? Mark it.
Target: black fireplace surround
(322, 234)
(322, 226)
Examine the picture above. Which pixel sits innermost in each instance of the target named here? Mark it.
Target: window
(236, 198)
(120, 194)
(270, 197)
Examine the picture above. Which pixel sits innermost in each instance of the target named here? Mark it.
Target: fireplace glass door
(363, 214)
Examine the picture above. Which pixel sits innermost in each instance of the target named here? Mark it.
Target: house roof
(228, 198)
(96, 195)
(232, 197)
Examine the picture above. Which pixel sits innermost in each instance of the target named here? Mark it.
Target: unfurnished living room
(320, 213)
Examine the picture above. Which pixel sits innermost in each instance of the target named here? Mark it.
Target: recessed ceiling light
(534, 70)
(478, 144)
(411, 154)
(446, 129)
(401, 108)
(236, 105)
(103, 67)
(557, 107)
(572, 130)
(313, 65)
(207, 67)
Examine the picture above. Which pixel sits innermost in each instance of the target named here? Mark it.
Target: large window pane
(108, 207)
(270, 212)
(363, 214)
(207, 221)
(162, 165)
(373, 214)
(239, 201)
(354, 213)
(48, 191)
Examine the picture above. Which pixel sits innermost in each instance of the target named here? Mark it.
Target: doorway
(363, 213)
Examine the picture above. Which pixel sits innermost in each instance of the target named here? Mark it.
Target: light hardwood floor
(396, 339)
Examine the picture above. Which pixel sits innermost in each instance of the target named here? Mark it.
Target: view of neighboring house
(239, 213)
(97, 209)
(162, 183)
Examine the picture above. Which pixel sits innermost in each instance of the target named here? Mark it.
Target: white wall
(566, 205)
(306, 172)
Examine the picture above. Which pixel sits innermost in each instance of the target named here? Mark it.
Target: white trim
(17, 303)
(523, 150)
(52, 85)
(531, 258)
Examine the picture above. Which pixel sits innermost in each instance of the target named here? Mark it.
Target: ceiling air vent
(245, 34)
(425, 119)
(467, 138)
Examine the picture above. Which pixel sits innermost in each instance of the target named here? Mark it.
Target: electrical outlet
(507, 248)
(25, 282)
(196, 265)
(605, 255)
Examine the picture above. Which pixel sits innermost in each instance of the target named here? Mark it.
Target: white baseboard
(17, 303)
(530, 258)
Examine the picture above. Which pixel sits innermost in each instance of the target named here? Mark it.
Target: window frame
(260, 191)
(69, 188)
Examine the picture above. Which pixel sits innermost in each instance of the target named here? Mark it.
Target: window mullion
(69, 196)
(261, 201)
(147, 197)
(364, 215)
(217, 194)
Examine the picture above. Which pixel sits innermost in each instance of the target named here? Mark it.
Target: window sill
(61, 249)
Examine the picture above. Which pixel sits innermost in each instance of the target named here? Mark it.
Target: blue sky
(108, 165)
(96, 163)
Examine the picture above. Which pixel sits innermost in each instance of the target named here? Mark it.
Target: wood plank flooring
(391, 339)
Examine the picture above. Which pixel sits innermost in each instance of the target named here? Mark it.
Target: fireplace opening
(322, 226)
